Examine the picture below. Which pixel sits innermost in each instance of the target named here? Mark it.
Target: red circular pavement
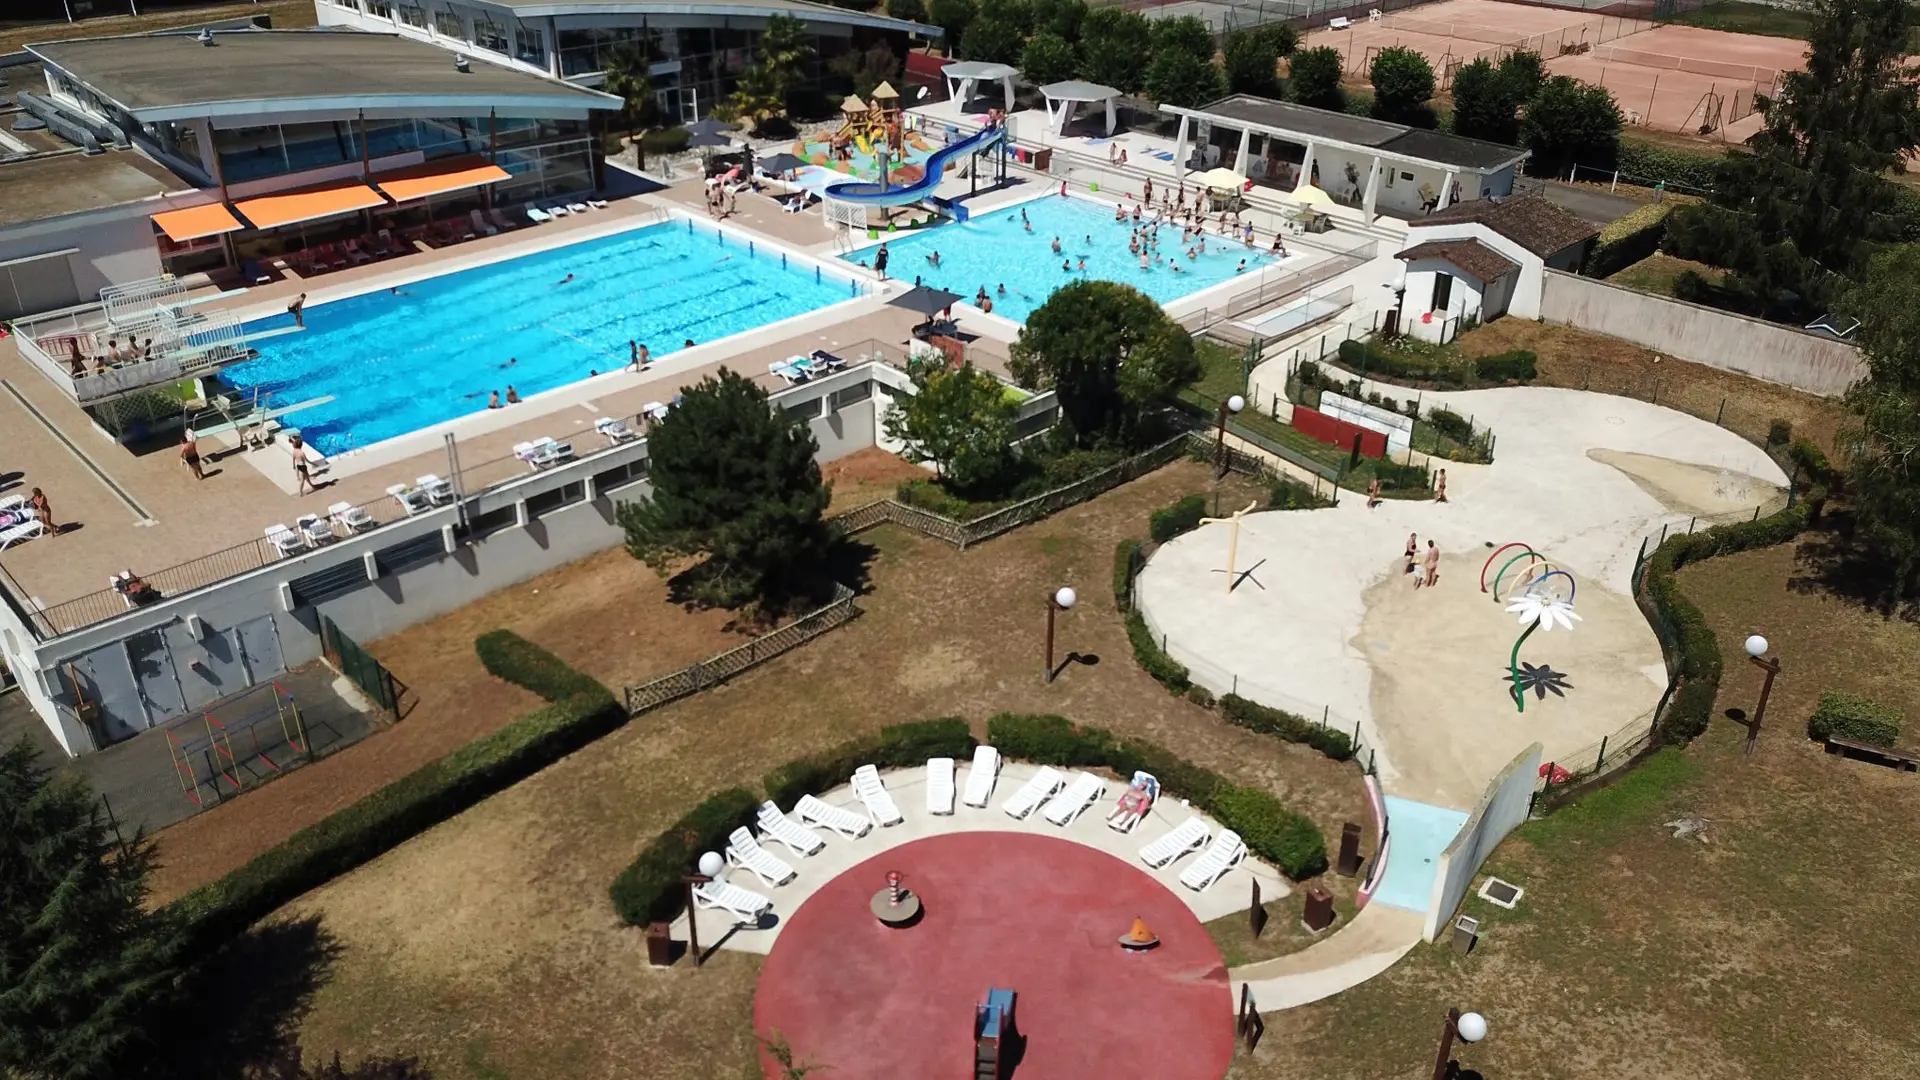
(1033, 914)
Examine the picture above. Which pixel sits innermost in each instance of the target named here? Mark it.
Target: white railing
(137, 301)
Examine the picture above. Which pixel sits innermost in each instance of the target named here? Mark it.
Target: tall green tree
(1062, 17)
(1402, 85)
(961, 420)
(951, 16)
(736, 482)
(1569, 123)
(993, 36)
(1114, 45)
(84, 965)
(1177, 77)
(1253, 58)
(867, 68)
(1313, 78)
(783, 51)
(1185, 34)
(1487, 97)
(1883, 473)
(1048, 58)
(1113, 356)
(1799, 211)
(910, 10)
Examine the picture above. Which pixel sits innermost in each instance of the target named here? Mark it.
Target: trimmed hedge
(1290, 494)
(650, 889)
(425, 797)
(1514, 365)
(1697, 647)
(1266, 720)
(1450, 423)
(1286, 839)
(1125, 554)
(521, 662)
(1627, 240)
(1371, 359)
(1646, 164)
(1170, 521)
(896, 746)
(1170, 672)
(1849, 716)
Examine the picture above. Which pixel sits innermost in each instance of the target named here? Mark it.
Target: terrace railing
(719, 668)
(1273, 290)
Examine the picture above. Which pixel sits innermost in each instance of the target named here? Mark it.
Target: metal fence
(717, 669)
(1274, 290)
(357, 664)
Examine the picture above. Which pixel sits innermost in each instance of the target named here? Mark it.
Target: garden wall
(1340, 433)
(1703, 335)
(1502, 808)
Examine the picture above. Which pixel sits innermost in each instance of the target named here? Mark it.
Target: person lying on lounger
(1133, 804)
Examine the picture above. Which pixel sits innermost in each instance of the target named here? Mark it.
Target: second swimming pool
(395, 361)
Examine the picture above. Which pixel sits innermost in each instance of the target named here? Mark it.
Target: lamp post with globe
(1757, 652)
(711, 865)
(1062, 599)
(1228, 407)
(1468, 1027)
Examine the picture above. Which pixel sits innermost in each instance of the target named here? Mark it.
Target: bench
(1895, 759)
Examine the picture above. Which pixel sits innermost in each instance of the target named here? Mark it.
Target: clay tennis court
(1673, 78)
(1037, 915)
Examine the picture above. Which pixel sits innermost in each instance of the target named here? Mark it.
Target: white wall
(1415, 308)
(112, 248)
(1525, 298)
(1502, 808)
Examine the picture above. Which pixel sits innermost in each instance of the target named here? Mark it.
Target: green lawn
(1741, 17)
(1656, 274)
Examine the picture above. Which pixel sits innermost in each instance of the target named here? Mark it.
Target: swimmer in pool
(934, 259)
(1083, 263)
(510, 362)
(564, 280)
(1066, 266)
(1056, 245)
(1003, 288)
(1242, 268)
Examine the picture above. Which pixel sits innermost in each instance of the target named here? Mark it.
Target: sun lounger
(285, 540)
(797, 837)
(1063, 808)
(597, 204)
(616, 431)
(11, 502)
(745, 852)
(1189, 835)
(354, 254)
(981, 775)
(480, 224)
(785, 370)
(1341, 23)
(576, 208)
(940, 785)
(313, 530)
(845, 822)
(537, 215)
(412, 500)
(558, 210)
(21, 533)
(350, 517)
(873, 794)
(1032, 793)
(827, 360)
(501, 220)
(438, 491)
(654, 411)
(1222, 855)
(745, 904)
(1135, 802)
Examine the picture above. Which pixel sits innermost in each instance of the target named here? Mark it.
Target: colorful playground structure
(883, 193)
(208, 748)
(995, 1039)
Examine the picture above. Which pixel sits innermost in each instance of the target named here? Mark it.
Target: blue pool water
(995, 249)
(396, 363)
(1417, 833)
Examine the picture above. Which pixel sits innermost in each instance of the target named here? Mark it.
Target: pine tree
(735, 481)
(84, 966)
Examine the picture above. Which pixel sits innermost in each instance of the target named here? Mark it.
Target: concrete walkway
(1373, 942)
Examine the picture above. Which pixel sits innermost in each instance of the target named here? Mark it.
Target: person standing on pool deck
(1413, 556)
(1433, 565)
(880, 262)
(1440, 488)
(641, 357)
(302, 483)
(190, 455)
(297, 309)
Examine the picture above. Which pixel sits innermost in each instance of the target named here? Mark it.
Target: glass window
(529, 46)
(489, 35)
(345, 4)
(447, 24)
(413, 15)
(380, 8)
(387, 137)
(250, 153)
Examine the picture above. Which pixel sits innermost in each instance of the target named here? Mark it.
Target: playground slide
(860, 142)
(936, 167)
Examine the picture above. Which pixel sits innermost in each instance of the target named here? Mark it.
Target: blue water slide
(936, 167)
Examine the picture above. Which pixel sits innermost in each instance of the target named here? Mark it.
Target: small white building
(1484, 259)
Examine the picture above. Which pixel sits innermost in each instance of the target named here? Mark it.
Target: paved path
(1371, 943)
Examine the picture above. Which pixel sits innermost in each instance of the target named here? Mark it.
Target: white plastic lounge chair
(616, 431)
(1341, 23)
(1222, 855)
(785, 370)
(537, 215)
(481, 224)
(940, 785)
(314, 529)
(557, 210)
(745, 904)
(981, 775)
(745, 852)
(845, 822)
(576, 208)
(654, 410)
(412, 500)
(435, 489)
(873, 794)
(351, 518)
(797, 837)
(597, 204)
(285, 540)
(1187, 836)
(1123, 818)
(547, 453)
(1063, 808)
(11, 502)
(1033, 793)
(21, 533)
(501, 220)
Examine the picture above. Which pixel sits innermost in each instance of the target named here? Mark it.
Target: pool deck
(139, 508)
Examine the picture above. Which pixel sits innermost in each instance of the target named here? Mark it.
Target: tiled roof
(1476, 258)
(1528, 220)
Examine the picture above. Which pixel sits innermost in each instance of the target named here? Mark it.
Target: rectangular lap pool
(996, 248)
(396, 361)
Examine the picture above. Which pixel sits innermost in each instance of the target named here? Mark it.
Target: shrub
(1514, 365)
(650, 889)
(1050, 740)
(1627, 240)
(1310, 374)
(1125, 555)
(1271, 831)
(1285, 725)
(1809, 459)
(896, 746)
(1290, 494)
(521, 662)
(930, 496)
(1200, 696)
(1450, 423)
(667, 141)
(1183, 516)
(1848, 716)
(1646, 164)
(1171, 673)
(1397, 477)
(1381, 360)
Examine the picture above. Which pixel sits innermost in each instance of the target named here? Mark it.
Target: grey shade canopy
(709, 127)
(964, 78)
(926, 300)
(1063, 98)
(781, 162)
(703, 139)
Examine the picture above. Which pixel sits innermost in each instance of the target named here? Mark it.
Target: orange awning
(325, 200)
(197, 222)
(439, 177)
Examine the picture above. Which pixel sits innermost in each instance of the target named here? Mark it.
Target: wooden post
(1772, 668)
(693, 927)
(1447, 1033)
(1233, 546)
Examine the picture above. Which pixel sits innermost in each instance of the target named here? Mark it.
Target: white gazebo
(965, 76)
(1063, 97)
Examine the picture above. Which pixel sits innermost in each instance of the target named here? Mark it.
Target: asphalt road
(1589, 203)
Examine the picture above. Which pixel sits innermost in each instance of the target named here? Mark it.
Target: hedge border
(1286, 726)
(1850, 716)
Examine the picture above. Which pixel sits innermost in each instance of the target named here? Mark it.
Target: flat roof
(174, 76)
(805, 9)
(47, 187)
(1359, 131)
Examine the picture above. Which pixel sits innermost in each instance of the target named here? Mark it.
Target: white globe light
(1236, 403)
(1065, 597)
(1756, 646)
(712, 863)
(1472, 1027)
